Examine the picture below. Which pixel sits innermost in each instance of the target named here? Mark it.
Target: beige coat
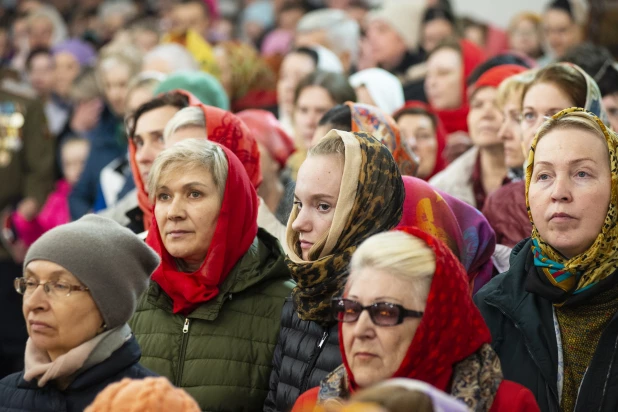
(456, 178)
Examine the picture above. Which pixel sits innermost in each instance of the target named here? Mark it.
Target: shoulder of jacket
(460, 169)
(18, 90)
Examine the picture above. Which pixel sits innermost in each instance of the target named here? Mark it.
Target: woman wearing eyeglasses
(406, 312)
(80, 286)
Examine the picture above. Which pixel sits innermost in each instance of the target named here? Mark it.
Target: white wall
(497, 12)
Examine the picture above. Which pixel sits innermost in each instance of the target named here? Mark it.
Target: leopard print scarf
(377, 206)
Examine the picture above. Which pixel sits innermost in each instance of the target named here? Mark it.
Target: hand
(86, 115)
(28, 208)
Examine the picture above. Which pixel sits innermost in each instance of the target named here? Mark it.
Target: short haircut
(568, 79)
(399, 254)
(336, 84)
(187, 117)
(514, 85)
(173, 99)
(186, 155)
(339, 117)
(343, 32)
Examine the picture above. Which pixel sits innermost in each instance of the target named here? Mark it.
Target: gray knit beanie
(106, 257)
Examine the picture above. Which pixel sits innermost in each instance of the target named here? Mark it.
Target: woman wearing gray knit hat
(80, 286)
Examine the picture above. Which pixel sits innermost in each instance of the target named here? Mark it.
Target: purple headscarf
(82, 51)
(460, 226)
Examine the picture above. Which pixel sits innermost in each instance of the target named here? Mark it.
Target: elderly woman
(210, 318)
(397, 320)
(80, 286)
(552, 314)
(348, 189)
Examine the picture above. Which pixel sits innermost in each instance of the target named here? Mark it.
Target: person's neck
(394, 62)
(492, 167)
(188, 266)
(55, 354)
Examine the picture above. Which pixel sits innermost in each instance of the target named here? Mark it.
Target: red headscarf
(221, 127)
(451, 329)
(269, 133)
(496, 75)
(440, 133)
(457, 119)
(235, 231)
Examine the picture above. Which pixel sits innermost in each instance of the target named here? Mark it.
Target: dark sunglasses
(381, 313)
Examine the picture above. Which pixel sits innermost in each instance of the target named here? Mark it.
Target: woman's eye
(31, 283)
(529, 116)
(323, 207)
(582, 174)
(195, 195)
(543, 176)
(298, 204)
(61, 287)
(163, 196)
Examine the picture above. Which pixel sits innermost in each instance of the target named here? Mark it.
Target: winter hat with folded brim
(144, 395)
(107, 258)
(404, 16)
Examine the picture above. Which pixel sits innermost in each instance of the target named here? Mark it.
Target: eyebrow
(186, 185)
(56, 273)
(317, 196)
(140, 135)
(571, 162)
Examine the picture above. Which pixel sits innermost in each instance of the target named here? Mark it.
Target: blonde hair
(574, 120)
(399, 254)
(514, 86)
(534, 18)
(187, 117)
(145, 80)
(186, 155)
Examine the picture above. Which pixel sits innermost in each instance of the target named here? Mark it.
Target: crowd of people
(307, 206)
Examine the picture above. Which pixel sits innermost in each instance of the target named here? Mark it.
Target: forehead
(316, 96)
(155, 120)
(445, 57)
(177, 177)
(44, 269)
(299, 62)
(415, 121)
(319, 174)
(546, 95)
(485, 94)
(555, 17)
(368, 284)
(563, 145)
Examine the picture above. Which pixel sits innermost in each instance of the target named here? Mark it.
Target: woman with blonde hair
(406, 312)
(552, 314)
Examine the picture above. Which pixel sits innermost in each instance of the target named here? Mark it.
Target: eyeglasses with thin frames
(381, 313)
(27, 286)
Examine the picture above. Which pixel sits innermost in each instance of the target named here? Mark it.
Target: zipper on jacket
(534, 359)
(312, 361)
(183, 349)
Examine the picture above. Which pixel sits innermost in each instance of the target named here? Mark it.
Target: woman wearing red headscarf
(210, 319)
(424, 134)
(448, 67)
(406, 312)
(145, 131)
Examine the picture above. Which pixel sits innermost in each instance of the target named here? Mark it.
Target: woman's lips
(561, 217)
(38, 326)
(177, 234)
(305, 245)
(365, 356)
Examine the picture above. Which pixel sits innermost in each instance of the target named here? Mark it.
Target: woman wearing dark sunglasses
(407, 313)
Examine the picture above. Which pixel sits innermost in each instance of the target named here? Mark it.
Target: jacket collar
(123, 358)
(262, 262)
(531, 314)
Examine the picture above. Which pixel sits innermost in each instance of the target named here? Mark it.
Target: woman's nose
(364, 327)
(37, 300)
(146, 154)
(301, 224)
(561, 190)
(176, 209)
(504, 133)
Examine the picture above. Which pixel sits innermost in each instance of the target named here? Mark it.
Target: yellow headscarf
(569, 277)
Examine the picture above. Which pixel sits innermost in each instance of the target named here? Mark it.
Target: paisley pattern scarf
(370, 201)
(562, 280)
(469, 370)
(372, 120)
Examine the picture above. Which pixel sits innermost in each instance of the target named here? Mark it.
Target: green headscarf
(202, 85)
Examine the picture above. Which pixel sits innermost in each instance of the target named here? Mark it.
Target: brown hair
(575, 120)
(336, 84)
(568, 79)
(173, 98)
(448, 43)
(534, 18)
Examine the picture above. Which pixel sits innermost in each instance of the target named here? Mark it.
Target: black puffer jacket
(305, 353)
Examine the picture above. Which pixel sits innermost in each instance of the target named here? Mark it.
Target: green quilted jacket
(221, 354)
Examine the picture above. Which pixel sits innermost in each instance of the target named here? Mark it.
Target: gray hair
(124, 8)
(46, 11)
(343, 32)
(186, 155)
(187, 117)
(176, 56)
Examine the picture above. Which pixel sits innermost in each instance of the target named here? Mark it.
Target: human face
(419, 134)
(525, 38)
(375, 353)
(434, 32)
(316, 195)
(485, 118)
(42, 74)
(115, 86)
(386, 46)
(570, 189)
(58, 324)
(510, 132)
(294, 68)
(148, 138)
(145, 40)
(187, 206)
(137, 97)
(610, 102)
(74, 155)
(363, 96)
(40, 33)
(542, 100)
(184, 133)
(560, 31)
(311, 105)
(443, 83)
(67, 69)
(189, 16)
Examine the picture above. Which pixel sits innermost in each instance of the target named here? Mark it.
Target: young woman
(348, 188)
(552, 315)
